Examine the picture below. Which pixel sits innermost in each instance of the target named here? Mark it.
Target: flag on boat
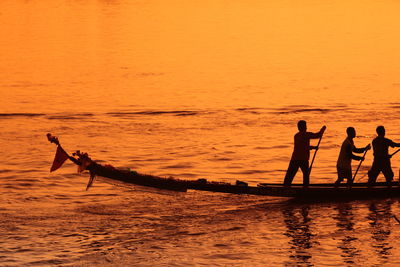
(59, 159)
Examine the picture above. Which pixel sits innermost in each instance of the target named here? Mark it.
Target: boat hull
(322, 191)
(136, 178)
(316, 191)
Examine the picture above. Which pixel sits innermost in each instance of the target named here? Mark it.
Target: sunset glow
(192, 89)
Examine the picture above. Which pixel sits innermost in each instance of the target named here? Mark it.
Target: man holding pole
(381, 161)
(301, 153)
(343, 164)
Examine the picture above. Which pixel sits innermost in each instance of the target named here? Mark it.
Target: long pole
(359, 165)
(315, 153)
(395, 153)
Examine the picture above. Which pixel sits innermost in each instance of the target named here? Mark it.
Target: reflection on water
(345, 225)
(298, 223)
(350, 235)
(381, 218)
(195, 228)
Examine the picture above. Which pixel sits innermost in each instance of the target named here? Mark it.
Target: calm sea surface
(192, 89)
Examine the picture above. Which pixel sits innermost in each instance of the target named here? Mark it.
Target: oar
(315, 153)
(359, 165)
(395, 153)
(396, 218)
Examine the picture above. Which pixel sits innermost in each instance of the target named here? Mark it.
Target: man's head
(380, 130)
(302, 126)
(351, 132)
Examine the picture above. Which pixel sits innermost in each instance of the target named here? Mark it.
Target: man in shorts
(343, 164)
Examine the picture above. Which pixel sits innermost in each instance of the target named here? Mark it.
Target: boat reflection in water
(348, 233)
(298, 229)
(345, 228)
(381, 219)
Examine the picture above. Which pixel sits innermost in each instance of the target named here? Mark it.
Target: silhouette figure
(381, 161)
(301, 153)
(343, 164)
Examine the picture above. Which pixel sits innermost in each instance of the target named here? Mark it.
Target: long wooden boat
(319, 191)
(330, 191)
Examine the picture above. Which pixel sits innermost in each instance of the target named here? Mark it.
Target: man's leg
(347, 174)
(341, 176)
(290, 173)
(387, 172)
(306, 172)
(350, 181)
(373, 173)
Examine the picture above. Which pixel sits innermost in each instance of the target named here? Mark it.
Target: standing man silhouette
(343, 164)
(301, 153)
(381, 161)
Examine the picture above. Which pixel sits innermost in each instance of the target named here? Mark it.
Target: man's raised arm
(319, 134)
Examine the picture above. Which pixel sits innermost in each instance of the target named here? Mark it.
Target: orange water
(191, 89)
